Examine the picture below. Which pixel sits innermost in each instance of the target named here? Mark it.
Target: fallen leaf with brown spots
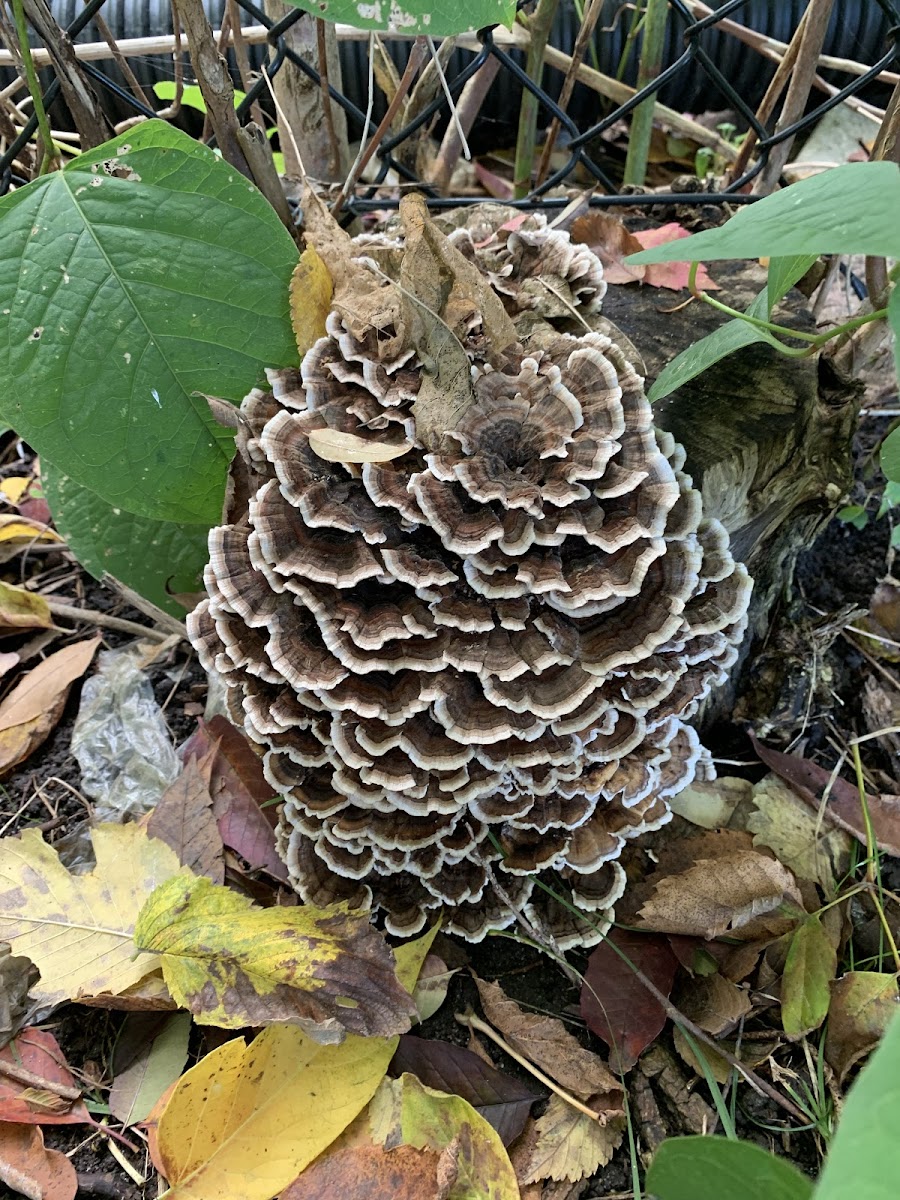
(370, 1172)
(30, 1169)
(547, 1043)
(862, 1005)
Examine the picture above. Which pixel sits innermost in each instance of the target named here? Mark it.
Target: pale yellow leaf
(78, 929)
(334, 446)
(20, 529)
(809, 846)
(15, 487)
(570, 1145)
(310, 291)
(20, 609)
(246, 1120)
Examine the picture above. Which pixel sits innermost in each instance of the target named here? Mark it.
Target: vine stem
(815, 340)
(538, 26)
(48, 157)
(652, 45)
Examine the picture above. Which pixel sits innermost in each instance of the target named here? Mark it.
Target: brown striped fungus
(466, 601)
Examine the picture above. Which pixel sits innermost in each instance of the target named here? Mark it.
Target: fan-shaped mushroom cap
(472, 661)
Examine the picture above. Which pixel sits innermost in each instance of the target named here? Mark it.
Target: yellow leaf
(334, 446)
(234, 964)
(20, 529)
(311, 291)
(35, 704)
(78, 929)
(14, 487)
(411, 955)
(246, 1120)
(569, 1144)
(405, 1112)
(23, 610)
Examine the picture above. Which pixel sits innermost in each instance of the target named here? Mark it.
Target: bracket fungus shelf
(465, 598)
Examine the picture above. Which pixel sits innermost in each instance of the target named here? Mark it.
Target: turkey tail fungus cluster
(465, 599)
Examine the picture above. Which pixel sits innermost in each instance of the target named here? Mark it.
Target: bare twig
(334, 161)
(215, 83)
(585, 33)
(121, 62)
(22, 1075)
(470, 102)
(242, 58)
(416, 55)
(811, 37)
(88, 616)
(258, 153)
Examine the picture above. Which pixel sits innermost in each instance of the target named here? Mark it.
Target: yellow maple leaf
(233, 964)
(78, 929)
(246, 1120)
(310, 291)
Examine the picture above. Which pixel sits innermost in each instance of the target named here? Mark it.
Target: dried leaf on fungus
(570, 1145)
(735, 893)
(35, 704)
(247, 1119)
(78, 929)
(138, 1087)
(806, 983)
(233, 964)
(334, 446)
(615, 1004)
(28, 1168)
(863, 1003)
(184, 820)
(37, 1051)
(234, 776)
(405, 1112)
(311, 290)
(547, 1043)
(504, 1102)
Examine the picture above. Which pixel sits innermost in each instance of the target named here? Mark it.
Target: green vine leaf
(146, 272)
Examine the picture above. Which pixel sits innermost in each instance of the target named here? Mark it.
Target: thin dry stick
(121, 62)
(88, 616)
(334, 154)
(585, 33)
(470, 102)
(815, 26)
(178, 69)
(22, 1075)
(416, 55)
(242, 58)
(472, 1021)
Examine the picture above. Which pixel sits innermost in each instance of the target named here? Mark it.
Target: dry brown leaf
(547, 1043)
(862, 1005)
(370, 1172)
(611, 242)
(185, 821)
(35, 704)
(711, 805)
(30, 1169)
(753, 1054)
(672, 275)
(724, 895)
(714, 1003)
(569, 1145)
(334, 446)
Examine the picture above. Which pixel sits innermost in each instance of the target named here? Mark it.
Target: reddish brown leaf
(495, 185)
(370, 1173)
(809, 781)
(611, 242)
(673, 275)
(184, 820)
(30, 1169)
(239, 789)
(37, 1051)
(504, 1102)
(617, 1007)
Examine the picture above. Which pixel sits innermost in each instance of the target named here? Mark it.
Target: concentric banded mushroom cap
(470, 659)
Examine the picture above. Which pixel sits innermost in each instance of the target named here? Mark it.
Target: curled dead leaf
(334, 446)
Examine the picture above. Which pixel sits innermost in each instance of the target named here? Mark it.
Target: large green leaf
(152, 557)
(713, 1168)
(851, 209)
(864, 1160)
(145, 272)
(414, 16)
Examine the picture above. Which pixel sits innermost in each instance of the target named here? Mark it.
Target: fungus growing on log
(471, 601)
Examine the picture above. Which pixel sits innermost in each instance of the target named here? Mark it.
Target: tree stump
(767, 437)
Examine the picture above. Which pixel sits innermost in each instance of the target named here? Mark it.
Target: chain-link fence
(706, 63)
